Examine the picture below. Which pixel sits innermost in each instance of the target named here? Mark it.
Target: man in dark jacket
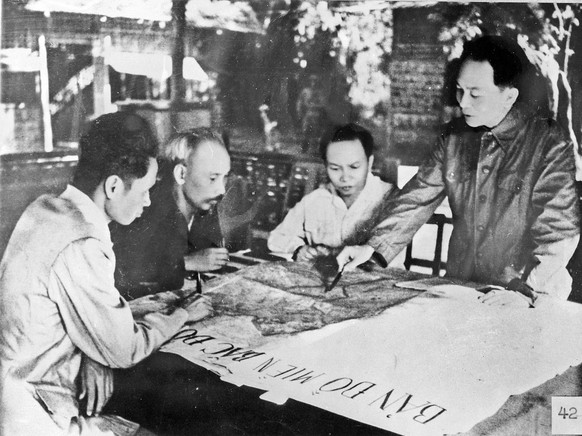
(510, 179)
(155, 252)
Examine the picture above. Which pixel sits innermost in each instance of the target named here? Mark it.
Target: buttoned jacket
(512, 194)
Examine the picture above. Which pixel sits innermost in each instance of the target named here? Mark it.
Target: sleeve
(404, 213)
(97, 319)
(556, 228)
(290, 234)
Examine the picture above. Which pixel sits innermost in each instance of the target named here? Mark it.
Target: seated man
(58, 301)
(510, 179)
(155, 252)
(341, 213)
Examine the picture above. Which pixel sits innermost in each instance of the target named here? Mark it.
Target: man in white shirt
(344, 211)
(58, 299)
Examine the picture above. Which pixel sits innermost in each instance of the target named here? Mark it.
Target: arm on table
(198, 307)
(97, 319)
(290, 234)
(403, 214)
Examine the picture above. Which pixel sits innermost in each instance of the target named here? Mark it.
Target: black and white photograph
(290, 218)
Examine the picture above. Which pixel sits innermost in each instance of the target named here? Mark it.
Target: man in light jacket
(62, 317)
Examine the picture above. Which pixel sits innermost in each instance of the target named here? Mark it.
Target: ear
(180, 174)
(370, 162)
(113, 186)
(511, 96)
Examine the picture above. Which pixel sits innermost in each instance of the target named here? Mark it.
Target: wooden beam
(44, 95)
(179, 31)
(101, 87)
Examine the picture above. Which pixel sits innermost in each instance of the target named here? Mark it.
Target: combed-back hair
(348, 132)
(120, 144)
(181, 144)
(505, 56)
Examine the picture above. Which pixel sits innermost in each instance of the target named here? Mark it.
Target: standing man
(58, 300)
(509, 176)
(154, 253)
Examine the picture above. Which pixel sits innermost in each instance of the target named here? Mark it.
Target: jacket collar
(91, 213)
(508, 129)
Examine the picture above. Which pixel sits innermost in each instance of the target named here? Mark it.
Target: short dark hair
(120, 144)
(182, 144)
(504, 55)
(348, 132)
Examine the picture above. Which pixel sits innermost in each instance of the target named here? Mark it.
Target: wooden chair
(436, 263)
(303, 177)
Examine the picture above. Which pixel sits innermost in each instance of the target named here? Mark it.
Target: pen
(334, 281)
(190, 298)
(198, 283)
(222, 244)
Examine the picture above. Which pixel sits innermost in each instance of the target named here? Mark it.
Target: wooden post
(101, 87)
(177, 78)
(44, 95)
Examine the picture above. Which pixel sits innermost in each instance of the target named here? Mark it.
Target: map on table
(371, 351)
(436, 364)
(277, 298)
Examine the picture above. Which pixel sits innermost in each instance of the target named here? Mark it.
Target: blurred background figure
(312, 113)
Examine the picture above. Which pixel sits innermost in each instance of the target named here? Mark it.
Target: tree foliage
(360, 38)
(543, 31)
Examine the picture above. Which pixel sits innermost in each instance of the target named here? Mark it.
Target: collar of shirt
(508, 129)
(91, 213)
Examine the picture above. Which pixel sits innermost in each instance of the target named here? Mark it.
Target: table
(177, 397)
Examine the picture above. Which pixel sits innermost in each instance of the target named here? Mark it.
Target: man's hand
(353, 255)
(308, 252)
(96, 385)
(505, 298)
(198, 307)
(208, 259)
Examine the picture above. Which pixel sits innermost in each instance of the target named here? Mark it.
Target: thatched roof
(221, 14)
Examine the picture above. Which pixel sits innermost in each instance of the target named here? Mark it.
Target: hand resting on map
(198, 307)
(504, 297)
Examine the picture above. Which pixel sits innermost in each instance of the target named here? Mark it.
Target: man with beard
(155, 253)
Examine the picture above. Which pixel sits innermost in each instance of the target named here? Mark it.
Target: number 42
(568, 413)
